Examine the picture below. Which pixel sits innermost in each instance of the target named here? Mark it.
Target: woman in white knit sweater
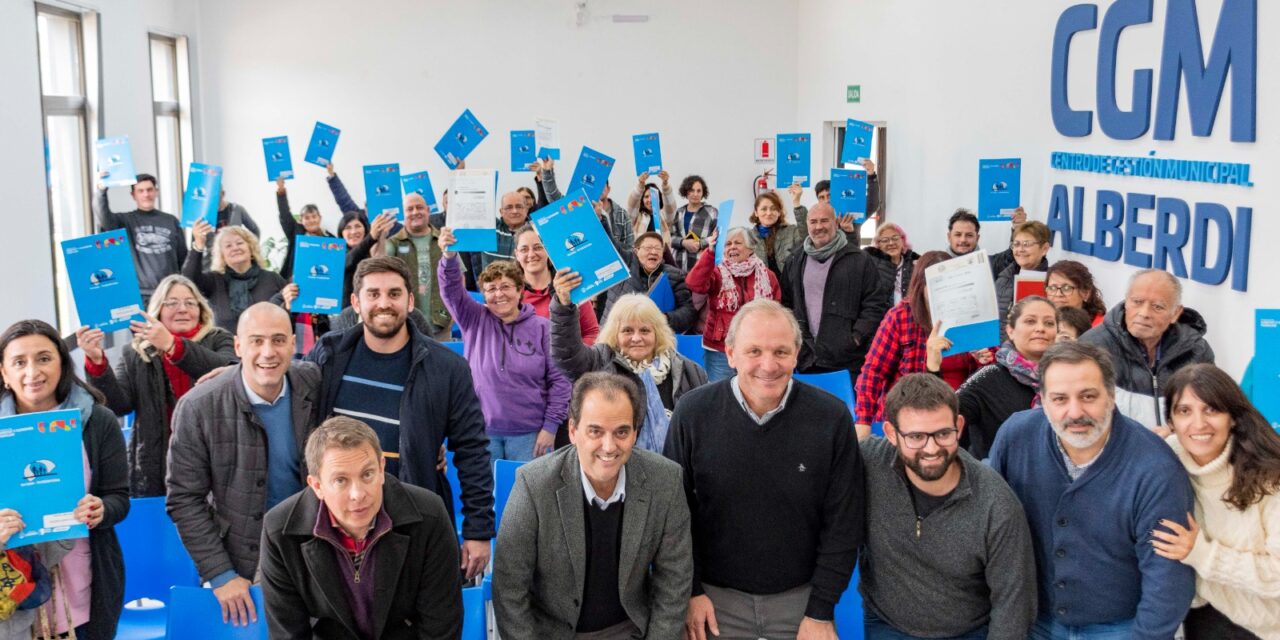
(1233, 542)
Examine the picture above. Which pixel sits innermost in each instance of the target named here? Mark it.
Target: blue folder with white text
(999, 188)
(324, 139)
(1265, 368)
(524, 150)
(648, 152)
(382, 190)
(279, 162)
(204, 191)
(849, 193)
(573, 237)
(461, 139)
(793, 159)
(591, 173)
(104, 280)
(420, 183)
(116, 160)
(318, 268)
(857, 141)
(44, 476)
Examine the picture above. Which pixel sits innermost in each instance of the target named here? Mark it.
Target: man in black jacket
(838, 293)
(356, 519)
(415, 393)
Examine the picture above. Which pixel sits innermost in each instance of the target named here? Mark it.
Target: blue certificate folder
(724, 216)
(849, 193)
(324, 139)
(104, 282)
(318, 269)
(574, 238)
(461, 139)
(116, 159)
(1265, 369)
(857, 141)
(591, 173)
(648, 153)
(204, 190)
(382, 190)
(420, 183)
(44, 474)
(999, 188)
(793, 159)
(523, 150)
(279, 162)
(663, 295)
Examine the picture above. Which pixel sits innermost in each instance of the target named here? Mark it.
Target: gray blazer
(539, 565)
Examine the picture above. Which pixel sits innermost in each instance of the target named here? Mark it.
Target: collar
(761, 419)
(619, 490)
(257, 399)
(327, 527)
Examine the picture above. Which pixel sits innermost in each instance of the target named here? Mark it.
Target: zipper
(919, 523)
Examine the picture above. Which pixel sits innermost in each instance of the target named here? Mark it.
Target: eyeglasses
(505, 288)
(1024, 244)
(515, 207)
(1060, 289)
(185, 304)
(917, 440)
(889, 240)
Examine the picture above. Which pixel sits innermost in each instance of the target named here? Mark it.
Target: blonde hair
(635, 306)
(217, 265)
(157, 304)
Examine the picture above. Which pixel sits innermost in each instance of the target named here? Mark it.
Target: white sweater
(1237, 553)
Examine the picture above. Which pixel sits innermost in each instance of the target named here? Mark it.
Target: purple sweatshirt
(520, 387)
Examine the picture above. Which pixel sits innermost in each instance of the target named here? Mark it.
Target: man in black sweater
(775, 489)
(159, 245)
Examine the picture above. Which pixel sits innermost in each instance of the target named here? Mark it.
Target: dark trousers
(1207, 623)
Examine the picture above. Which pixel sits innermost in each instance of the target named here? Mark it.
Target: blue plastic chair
(456, 346)
(849, 612)
(475, 614)
(504, 478)
(691, 348)
(837, 383)
(194, 614)
(154, 561)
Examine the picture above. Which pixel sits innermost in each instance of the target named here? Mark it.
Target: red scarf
(179, 381)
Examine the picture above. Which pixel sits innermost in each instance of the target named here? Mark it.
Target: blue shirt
(284, 461)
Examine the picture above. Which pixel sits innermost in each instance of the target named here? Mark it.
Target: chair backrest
(194, 614)
(456, 345)
(504, 478)
(849, 612)
(691, 348)
(837, 383)
(475, 622)
(154, 558)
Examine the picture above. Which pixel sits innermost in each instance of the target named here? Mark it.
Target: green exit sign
(853, 93)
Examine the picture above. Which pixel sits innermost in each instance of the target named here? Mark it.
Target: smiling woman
(237, 278)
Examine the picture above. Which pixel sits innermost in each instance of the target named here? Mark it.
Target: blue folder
(204, 190)
(663, 295)
(591, 173)
(999, 188)
(382, 190)
(420, 183)
(324, 139)
(318, 268)
(1266, 364)
(279, 162)
(793, 159)
(45, 478)
(461, 139)
(724, 216)
(857, 141)
(523, 150)
(575, 239)
(849, 193)
(104, 282)
(648, 152)
(116, 158)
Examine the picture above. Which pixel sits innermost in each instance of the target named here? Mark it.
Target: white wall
(710, 75)
(958, 81)
(26, 248)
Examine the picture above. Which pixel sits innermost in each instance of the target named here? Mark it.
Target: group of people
(1094, 476)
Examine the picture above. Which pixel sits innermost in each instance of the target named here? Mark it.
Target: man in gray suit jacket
(595, 541)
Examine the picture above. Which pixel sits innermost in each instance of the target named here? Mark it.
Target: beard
(1098, 430)
(382, 331)
(934, 473)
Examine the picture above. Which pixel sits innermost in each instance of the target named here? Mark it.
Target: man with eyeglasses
(948, 551)
(1150, 335)
(513, 213)
(1094, 485)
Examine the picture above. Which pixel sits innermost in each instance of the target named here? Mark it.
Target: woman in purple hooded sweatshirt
(523, 394)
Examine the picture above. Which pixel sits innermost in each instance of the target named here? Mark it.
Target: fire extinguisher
(762, 182)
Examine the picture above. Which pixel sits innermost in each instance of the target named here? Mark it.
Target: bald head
(264, 343)
(264, 315)
(822, 224)
(417, 217)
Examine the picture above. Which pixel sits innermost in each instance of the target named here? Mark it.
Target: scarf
(763, 231)
(240, 286)
(830, 249)
(657, 418)
(659, 367)
(179, 381)
(1022, 369)
(730, 298)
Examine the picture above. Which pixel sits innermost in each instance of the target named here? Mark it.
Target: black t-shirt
(370, 392)
(924, 503)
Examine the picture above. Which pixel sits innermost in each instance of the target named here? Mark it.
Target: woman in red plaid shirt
(906, 342)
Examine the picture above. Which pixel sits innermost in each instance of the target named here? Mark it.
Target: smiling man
(595, 537)
(236, 451)
(775, 488)
(936, 516)
(355, 521)
(417, 245)
(1094, 484)
(159, 245)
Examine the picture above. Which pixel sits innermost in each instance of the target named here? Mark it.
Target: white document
(473, 199)
(963, 297)
(546, 134)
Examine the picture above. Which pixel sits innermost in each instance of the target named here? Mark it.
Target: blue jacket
(1092, 537)
(438, 403)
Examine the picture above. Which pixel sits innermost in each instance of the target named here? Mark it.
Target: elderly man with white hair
(1149, 336)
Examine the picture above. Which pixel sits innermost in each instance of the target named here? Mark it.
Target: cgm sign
(1177, 223)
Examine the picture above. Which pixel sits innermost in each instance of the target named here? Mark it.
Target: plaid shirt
(897, 350)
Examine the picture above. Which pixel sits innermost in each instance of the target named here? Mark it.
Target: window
(171, 100)
(68, 88)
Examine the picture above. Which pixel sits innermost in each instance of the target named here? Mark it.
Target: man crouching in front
(359, 554)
